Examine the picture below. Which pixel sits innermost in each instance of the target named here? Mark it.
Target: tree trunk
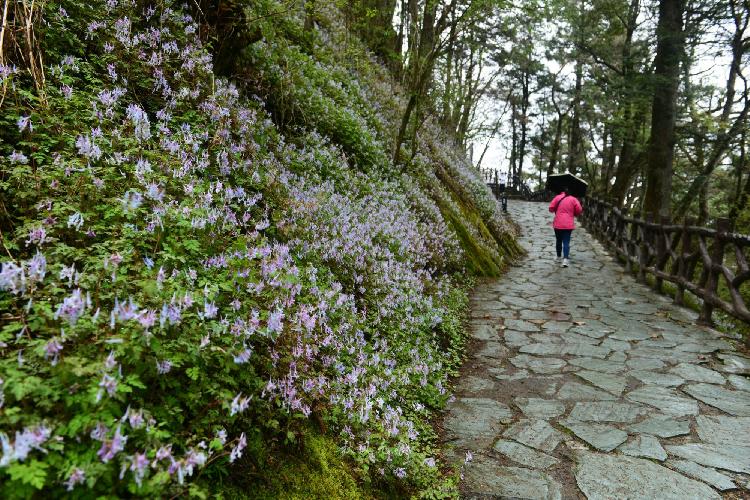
(513, 144)
(524, 119)
(555, 151)
(575, 146)
(669, 51)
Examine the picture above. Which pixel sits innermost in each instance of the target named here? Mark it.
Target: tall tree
(669, 52)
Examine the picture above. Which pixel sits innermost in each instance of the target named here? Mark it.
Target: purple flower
(164, 452)
(237, 450)
(135, 418)
(52, 350)
(140, 121)
(139, 467)
(110, 362)
(77, 475)
(274, 321)
(76, 221)
(18, 158)
(210, 310)
(37, 236)
(125, 311)
(110, 448)
(72, 307)
(170, 313)
(131, 200)
(12, 278)
(99, 432)
(108, 383)
(31, 438)
(23, 123)
(400, 473)
(243, 356)
(67, 91)
(239, 404)
(163, 367)
(88, 148)
(147, 318)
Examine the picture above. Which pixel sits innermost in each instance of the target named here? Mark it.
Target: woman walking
(566, 208)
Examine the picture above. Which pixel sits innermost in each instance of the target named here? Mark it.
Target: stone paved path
(582, 383)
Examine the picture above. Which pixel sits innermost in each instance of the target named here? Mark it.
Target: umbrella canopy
(576, 186)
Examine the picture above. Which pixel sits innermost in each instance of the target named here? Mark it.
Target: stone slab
(733, 363)
(475, 419)
(540, 408)
(735, 403)
(538, 365)
(697, 373)
(723, 430)
(740, 382)
(581, 392)
(575, 349)
(516, 339)
(524, 455)
(662, 426)
(666, 400)
(610, 383)
(493, 350)
(721, 456)
(600, 436)
(521, 325)
(597, 365)
(656, 378)
(644, 446)
(630, 335)
(645, 364)
(705, 474)
(486, 477)
(473, 384)
(535, 433)
(605, 477)
(606, 411)
(616, 345)
(485, 332)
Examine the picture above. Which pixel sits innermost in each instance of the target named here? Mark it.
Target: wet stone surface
(564, 361)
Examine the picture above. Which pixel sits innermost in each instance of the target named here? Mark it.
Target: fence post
(723, 226)
(632, 250)
(683, 269)
(643, 248)
(661, 251)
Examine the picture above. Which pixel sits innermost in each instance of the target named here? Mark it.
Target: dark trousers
(562, 241)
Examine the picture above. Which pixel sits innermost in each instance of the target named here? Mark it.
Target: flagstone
(666, 400)
(662, 426)
(605, 476)
(735, 403)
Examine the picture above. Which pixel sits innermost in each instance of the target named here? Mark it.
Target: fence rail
(710, 263)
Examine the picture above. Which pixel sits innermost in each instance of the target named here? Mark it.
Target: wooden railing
(711, 264)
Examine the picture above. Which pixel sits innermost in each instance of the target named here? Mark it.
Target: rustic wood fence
(710, 263)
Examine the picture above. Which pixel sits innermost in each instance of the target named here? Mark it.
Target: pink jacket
(566, 209)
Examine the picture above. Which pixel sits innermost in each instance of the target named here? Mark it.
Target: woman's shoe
(565, 262)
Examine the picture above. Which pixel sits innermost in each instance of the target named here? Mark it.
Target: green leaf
(32, 473)
(193, 372)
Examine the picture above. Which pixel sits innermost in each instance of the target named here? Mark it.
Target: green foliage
(221, 270)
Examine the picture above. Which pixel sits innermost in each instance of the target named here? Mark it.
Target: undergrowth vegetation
(200, 273)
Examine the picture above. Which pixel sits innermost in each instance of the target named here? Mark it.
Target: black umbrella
(576, 186)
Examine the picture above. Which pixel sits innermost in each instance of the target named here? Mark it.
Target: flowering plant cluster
(181, 280)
